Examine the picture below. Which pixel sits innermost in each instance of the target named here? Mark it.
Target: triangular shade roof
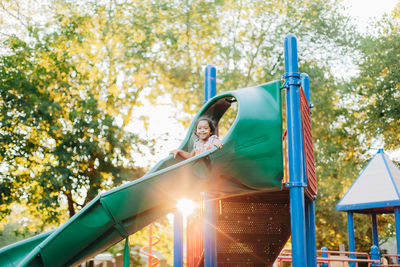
(376, 189)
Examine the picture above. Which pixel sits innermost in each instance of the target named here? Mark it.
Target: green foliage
(376, 89)
(11, 234)
(61, 141)
(339, 156)
(21, 224)
(335, 147)
(372, 113)
(244, 40)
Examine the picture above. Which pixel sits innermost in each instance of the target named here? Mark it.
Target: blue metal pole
(375, 255)
(295, 149)
(397, 220)
(375, 238)
(210, 248)
(178, 239)
(210, 236)
(350, 230)
(305, 83)
(311, 241)
(310, 205)
(324, 255)
(210, 83)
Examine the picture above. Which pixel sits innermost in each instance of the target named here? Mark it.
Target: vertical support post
(210, 237)
(397, 221)
(324, 255)
(295, 150)
(375, 255)
(305, 83)
(310, 227)
(210, 248)
(210, 82)
(310, 205)
(178, 239)
(375, 238)
(350, 230)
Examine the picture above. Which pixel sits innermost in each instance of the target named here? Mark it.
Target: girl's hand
(175, 152)
(217, 143)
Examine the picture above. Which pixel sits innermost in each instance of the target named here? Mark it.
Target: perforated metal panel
(251, 207)
(252, 229)
(251, 226)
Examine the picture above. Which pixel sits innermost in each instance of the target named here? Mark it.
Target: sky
(365, 10)
(163, 124)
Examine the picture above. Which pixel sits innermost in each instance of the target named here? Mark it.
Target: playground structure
(251, 205)
(251, 229)
(247, 170)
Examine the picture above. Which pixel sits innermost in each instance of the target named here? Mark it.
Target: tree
(373, 107)
(62, 141)
(244, 39)
(377, 105)
(336, 154)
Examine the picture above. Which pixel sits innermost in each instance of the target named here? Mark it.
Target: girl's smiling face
(203, 130)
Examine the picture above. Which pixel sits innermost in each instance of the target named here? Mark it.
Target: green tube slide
(250, 161)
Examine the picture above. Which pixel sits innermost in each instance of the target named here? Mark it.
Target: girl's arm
(183, 154)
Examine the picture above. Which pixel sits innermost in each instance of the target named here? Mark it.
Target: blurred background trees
(73, 75)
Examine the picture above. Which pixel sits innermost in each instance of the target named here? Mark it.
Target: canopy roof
(376, 189)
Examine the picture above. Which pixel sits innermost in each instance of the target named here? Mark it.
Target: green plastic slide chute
(250, 161)
(13, 254)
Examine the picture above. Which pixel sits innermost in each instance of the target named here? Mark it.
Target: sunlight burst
(185, 206)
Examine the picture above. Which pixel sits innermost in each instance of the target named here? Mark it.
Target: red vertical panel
(189, 242)
(308, 145)
(195, 239)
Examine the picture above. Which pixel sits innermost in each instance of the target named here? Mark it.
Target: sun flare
(185, 206)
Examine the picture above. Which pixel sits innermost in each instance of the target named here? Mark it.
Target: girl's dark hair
(210, 124)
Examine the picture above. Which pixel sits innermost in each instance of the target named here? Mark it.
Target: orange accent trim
(339, 256)
(285, 159)
(152, 260)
